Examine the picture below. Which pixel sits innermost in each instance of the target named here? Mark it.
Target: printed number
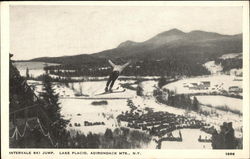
(230, 153)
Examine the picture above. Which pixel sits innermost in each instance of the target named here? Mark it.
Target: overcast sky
(37, 31)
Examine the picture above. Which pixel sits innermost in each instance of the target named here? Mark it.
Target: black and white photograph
(126, 77)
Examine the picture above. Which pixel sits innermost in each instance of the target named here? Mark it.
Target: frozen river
(35, 68)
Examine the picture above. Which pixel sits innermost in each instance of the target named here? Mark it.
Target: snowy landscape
(90, 111)
(136, 76)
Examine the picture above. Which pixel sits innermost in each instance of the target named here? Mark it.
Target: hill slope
(172, 51)
(170, 43)
(174, 43)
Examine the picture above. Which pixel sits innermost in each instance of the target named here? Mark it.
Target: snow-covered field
(92, 88)
(217, 117)
(61, 89)
(190, 140)
(221, 101)
(149, 87)
(79, 110)
(217, 84)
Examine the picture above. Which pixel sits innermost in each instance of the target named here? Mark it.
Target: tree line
(183, 101)
(228, 64)
(167, 67)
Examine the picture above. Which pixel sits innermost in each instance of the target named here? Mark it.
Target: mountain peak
(171, 32)
(175, 30)
(166, 37)
(127, 43)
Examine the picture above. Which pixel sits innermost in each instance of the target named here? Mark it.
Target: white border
(144, 153)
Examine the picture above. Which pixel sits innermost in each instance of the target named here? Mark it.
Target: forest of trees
(183, 101)
(228, 64)
(167, 67)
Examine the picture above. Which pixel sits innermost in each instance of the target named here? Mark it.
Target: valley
(77, 99)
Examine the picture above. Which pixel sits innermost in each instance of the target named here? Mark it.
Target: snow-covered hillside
(231, 55)
(213, 68)
(218, 69)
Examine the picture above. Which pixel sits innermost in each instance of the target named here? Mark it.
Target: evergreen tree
(52, 107)
(108, 134)
(45, 68)
(195, 104)
(162, 81)
(93, 140)
(80, 88)
(83, 141)
(27, 73)
(139, 90)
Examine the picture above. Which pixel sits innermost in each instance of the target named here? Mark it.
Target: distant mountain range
(195, 47)
(195, 44)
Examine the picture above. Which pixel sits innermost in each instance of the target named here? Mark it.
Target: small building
(235, 89)
(206, 83)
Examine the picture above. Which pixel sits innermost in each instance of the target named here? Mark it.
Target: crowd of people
(157, 123)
